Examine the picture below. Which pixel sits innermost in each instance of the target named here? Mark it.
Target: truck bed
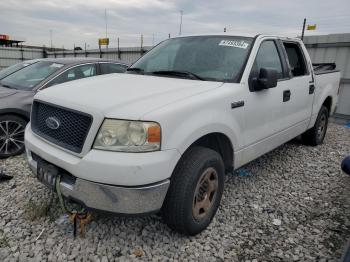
(327, 84)
(324, 68)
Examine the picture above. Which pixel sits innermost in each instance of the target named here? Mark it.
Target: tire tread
(178, 193)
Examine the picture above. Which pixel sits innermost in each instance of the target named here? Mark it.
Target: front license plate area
(47, 174)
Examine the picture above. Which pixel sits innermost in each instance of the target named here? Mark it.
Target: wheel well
(16, 114)
(328, 103)
(219, 143)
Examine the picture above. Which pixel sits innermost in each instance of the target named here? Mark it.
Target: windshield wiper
(178, 73)
(7, 86)
(135, 69)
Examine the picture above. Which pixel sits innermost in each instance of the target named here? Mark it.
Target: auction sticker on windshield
(234, 43)
(56, 65)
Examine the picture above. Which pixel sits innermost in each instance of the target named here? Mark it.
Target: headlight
(128, 136)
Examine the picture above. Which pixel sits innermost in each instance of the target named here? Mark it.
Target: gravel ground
(292, 204)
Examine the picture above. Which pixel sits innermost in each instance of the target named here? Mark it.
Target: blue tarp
(242, 172)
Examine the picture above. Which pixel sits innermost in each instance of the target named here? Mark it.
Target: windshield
(11, 69)
(28, 77)
(213, 58)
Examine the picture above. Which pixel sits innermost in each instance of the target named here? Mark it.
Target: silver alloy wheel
(11, 137)
(322, 126)
(205, 193)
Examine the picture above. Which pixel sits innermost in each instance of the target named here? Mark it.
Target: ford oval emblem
(52, 123)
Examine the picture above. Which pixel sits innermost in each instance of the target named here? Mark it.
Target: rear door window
(296, 59)
(109, 68)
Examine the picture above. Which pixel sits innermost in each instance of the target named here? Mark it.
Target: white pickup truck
(162, 136)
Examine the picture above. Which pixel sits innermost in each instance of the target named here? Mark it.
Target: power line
(328, 16)
(311, 21)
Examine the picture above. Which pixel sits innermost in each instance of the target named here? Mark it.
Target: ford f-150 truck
(162, 136)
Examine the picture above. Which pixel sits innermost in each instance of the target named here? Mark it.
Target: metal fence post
(44, 52)
(22, 55)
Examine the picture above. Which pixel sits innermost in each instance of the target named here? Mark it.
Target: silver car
(18, 89)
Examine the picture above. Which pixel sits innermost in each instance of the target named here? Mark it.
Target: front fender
(188, 120)
(197, 126)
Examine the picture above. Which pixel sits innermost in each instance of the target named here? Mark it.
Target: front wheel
(11, 135)
(195, 191)
(315, 135)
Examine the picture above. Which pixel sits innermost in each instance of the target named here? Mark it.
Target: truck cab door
(264, 117)
(298, 108)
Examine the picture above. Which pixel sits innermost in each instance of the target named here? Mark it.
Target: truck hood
(126, 96)
(4, 92)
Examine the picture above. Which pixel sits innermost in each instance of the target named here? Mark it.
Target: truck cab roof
(243, 35)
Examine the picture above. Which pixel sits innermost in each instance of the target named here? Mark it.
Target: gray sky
(83, 21)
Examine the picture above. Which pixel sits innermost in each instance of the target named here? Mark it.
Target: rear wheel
(315, 135)
(11, 135)
(195, 191)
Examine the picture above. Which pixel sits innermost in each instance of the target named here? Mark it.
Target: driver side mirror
(267, 79)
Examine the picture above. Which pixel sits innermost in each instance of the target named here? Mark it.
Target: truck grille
(65, 127)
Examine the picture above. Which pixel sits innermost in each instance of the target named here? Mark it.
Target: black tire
(197, 166)
(315, 135)
(11, 135)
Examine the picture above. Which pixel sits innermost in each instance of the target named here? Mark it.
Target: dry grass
(34, 210)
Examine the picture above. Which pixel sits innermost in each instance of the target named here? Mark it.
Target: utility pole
(106, 26)
(106, 21)
(141, 50)
(153, 39)
(302, 33)
(118, 49)
(51, 38)
(181, 13)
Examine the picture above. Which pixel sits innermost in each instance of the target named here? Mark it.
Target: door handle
(286, 95)
(311, 89)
